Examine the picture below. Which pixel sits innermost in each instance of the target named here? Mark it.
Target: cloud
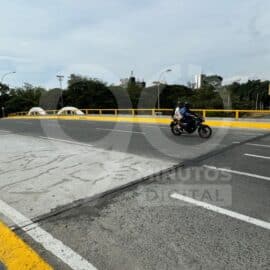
(40, 39)
(88, 70)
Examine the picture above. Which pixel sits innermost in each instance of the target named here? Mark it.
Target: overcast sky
(108, 39)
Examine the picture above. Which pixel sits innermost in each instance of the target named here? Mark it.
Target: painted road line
(238, 172)
(251, 134)
(5, 131)
(24, 122)
(120, 130)
(51, 244)
(256, 156)
(155, 126)
(259, 145)
(15, 254)
(223, 211)
(65, 141)
(143, 125)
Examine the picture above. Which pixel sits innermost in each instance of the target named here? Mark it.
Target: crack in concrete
(65, 180)
(27, 179)
(73, 166)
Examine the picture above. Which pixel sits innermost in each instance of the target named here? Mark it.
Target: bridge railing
(165, 112)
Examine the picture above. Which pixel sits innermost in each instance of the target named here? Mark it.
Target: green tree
(207, 97)
(52, 99)
(134, 91)
(83, 92)
(4, 97)
(171, 94)
(24, 98)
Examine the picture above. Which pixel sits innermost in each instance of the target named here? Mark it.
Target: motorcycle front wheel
(205, 131)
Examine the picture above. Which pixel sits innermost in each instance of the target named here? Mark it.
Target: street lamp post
(2, 79)
(6, 74)
(60, 78)
(158, 86)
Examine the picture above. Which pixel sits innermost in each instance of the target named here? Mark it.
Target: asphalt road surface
(141, 139)
(163, 223)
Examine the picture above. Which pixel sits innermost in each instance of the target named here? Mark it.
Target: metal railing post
(204, 113)
(236, 115)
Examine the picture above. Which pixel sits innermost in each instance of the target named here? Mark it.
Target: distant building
(198, 81)
(203, 80)
(124, 82)
(141, 84)
(132, 80)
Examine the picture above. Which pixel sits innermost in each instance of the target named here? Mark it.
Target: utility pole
(257, 99)
(61, 78)
(158, 83)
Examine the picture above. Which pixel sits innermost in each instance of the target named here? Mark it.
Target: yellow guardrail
(153, 112)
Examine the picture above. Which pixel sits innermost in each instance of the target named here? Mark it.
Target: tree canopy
(87, 93)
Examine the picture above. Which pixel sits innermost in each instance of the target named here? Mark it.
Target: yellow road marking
(16, 255)
(151, 120)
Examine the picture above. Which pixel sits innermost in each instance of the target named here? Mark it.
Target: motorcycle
(204, 131)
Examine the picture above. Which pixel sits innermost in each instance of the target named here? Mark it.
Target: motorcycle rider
(187, 116)
(177, 113)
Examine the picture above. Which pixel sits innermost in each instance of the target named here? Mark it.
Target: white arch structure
(36, 111)
(70, 111)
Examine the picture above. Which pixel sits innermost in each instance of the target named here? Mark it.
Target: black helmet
(187, 104)
(180, 104)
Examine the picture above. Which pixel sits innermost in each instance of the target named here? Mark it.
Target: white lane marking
(65, 141)
(223, 211)
(249, 134)
(259, 145)
(236, 142)
(156, 126)
(25, 123)
(256, 156)
(53, 245)
(120, 130)
(53, 123)
(142, 125)
(238, 172)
